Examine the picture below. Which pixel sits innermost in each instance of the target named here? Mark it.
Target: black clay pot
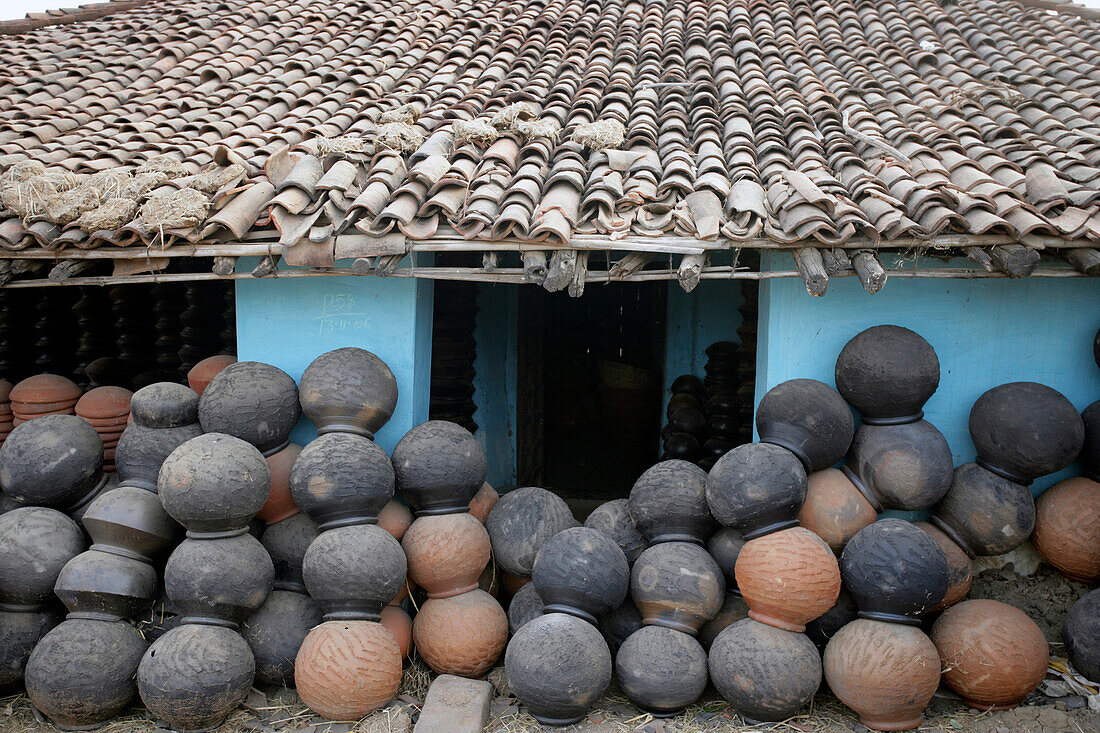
(1023, 430)
(808, 418)
(255, 402)
(757, 488)
(525, 605)
(221, 581)
(662, 671)
(765, 673)
(843, 612)
(19, 633)
(286, 542)
(131, 521)
(887, 373)
(724, 546)
(82, 673)
(439, 467)
(353, 572)
(106, 586)
(164, 405)
(520, 522)
(35, 544)
(1082, 635)
(1090, 451)
(894, 572)
(342, 479)
(668, 503)
(683, 446)
(678, 585)
(214, 484)
(557, 666)
(683, 401)
(722, 406)
(194, 676)
(688, 420)
(165, 416)
(581, 572)
(348, 390)
(688, 384)
(54, 461)
(618, 625)
(983, 513)
(733, 610)
(906, 466)
(276, 632)
(613, 519)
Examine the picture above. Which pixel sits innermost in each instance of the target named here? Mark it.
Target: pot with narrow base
(661, 670)
(678, 585)
(582, 572)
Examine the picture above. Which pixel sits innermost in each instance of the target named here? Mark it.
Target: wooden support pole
(869, 270)
(385, 265)
(691, 267)
(362, 265)
(534, 266)
(224, 265)
(811, 269)
(5, 271)
(20, 267)
(836, 261)
(979, 257)
(1014, 260)
(580, 273)
(67, 268)
(489, 261)
(560, 272)
(267, 265)
(630, 263)
(1084, 259)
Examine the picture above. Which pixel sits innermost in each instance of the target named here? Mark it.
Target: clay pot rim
(41, 408)
(676, 537)
(341, 424)
(862, 488)
(341, 521)
(952, 535)
(456, 591)
(571, 611)
(890, 618)
(769, 529)
(671, 624)
(899, 420)
(1003, 473)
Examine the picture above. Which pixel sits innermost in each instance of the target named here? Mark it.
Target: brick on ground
(455, 705)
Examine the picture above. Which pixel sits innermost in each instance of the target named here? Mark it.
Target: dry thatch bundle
(510, 116)
(479, 132)
(399, 136)
(180, 209)
(407, 113)
(343, 144)
(165, 164)
(112, 214)
(215, 177)
(540, 128)
(599, 135)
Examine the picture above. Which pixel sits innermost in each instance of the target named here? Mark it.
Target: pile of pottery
(107, 409)
(41, 395)
(702, 415)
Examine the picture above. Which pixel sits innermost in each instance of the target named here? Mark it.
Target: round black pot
(808, 418)
(342, 479)
(887, 373)
(439, 467)
(757, 488)
(668, 503)
(582, 572)
(520, 522)
(348, 390)
(661, 670)
(255, 402)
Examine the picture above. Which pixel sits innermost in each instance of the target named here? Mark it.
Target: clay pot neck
(675, 537)
(671, 623)
(22, 607)
(339, 520)
(440, 510)
(890, 618)
(952, 535)
(139, 483)
(209, 621)
(268, 452)
(121, 552)
(1005, 474)
(790, 437)
(91, 494)
(900, 420)
(346, 614)
(659, 713)
(219, 535)
(572, 611)
(862, 488)
(557, 722)
(335, 425)
(93, 616)
(767, 529)
(290, 585)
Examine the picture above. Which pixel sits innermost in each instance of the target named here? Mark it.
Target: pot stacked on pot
(520, 522)
(107, 409)
(613, 519)
(41, 395)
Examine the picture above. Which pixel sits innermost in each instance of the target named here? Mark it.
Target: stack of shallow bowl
(5, 410)
(107, 409)
(43, 394)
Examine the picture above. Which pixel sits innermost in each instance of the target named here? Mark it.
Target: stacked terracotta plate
(43, 394)
(5, 410)
(107, 409)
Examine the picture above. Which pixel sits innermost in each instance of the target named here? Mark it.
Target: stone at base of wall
(455, 705)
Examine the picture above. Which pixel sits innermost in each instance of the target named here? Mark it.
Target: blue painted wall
(290, 322)
(495, 333)
(985, 331)
(695, 321)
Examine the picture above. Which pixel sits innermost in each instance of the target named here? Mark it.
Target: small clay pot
(618, 625)
(446, 553)
(440, 466)
(886, 672)
(395, 518)
(834, 509)
(1081, 633)
(887, 373)
(255, 402)
(20, 632)
(35, 544)
(688, 420)
(194, 676)
(82, 673)
(668, 503)
(483, 502)
(681, 401)
(764, 672)
(400, 624)
(1023, 430)
(689, 384)
(348, 390)
(1067, 528)
(462, 635)
(199, 376)
(808, 418)
(724, 546)
(959, 567)
(757, 488)
(165, 416)
(581, 571)
(221, 581)
(678, 585)
(214, 484)
(662, 671)
(612, 518)
(894, 571)
(904, 467)
(346, 669)
(825, 626)
(286, 542)
(993, 654)
(354, 571)
(54, 461)
(983, 513)
(521, 522)
(733, 610)
(132, 522)
(788, 578)
(106, 586)
(1090, 451)
(280, 505)
(525, 606)
(558, 666)
(342, 479)
(275, 634)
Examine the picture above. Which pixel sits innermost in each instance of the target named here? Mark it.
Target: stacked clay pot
(200, 375)
(41, 395)
(881, 664)
(350, 664)
(6, 415)
(163, 416)
(107, 409)
(520, 522)
(460, 629)
(198, 672)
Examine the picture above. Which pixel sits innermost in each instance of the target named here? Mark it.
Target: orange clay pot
(103, 404)
(395, 518)
(512, 583)
(400, 624)
(446, 553)
(959, 567)
(346, 669)
(462, 635)
(200, 375)
(788, 578)
(993, 654)
(44, 389)
(279, 505)
(885, 672)
(1067, 528)
(483, 502)
(834, 509)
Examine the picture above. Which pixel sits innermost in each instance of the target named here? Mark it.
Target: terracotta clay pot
(825, 626)
(525, 606)
(1067, 528)
(764, 672)
(353, 572)
(35, 544)
(194, 676)
(558, 666)
(582, 572)
(618, 625)
(462, 635)
(199, 376)
(220, 581)
(511, 583)
(106, 586)
(399, 623)
(275, 634)
(678, 585)
(983, 513)
(900, 466)
(788, 578)
(20, 632)
(54, 461)
(887, 373)
(255, 402)
(724, 546)
(446, 553)
(993, 654)
(286, 542)
(959, 568)
(808, 418)
(1081, 633)
(395, 518)
(346, 669)
(662, 671)
(348, 390)
(440, 466)
(757, 488)
(483, 502)
(82, 673)
(43, 389)
(612, 518)
(886, 672)
(104, 403)
(165, 416)
(894, 571)
(1090, 451)
(280, 505)
(132, 522)
(668, 503)
(834, 509)
(733, 610)
(520, 522)
(342, 479)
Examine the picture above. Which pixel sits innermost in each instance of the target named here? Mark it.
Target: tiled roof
(825, 121)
